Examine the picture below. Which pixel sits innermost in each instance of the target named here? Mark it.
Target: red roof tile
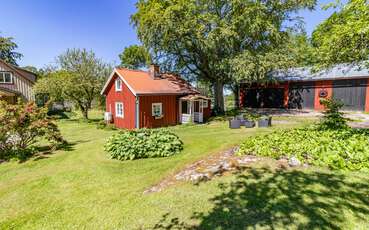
(140, 82)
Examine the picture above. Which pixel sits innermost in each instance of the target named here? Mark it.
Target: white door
(198, 113)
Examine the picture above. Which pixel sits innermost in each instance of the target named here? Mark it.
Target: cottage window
(118, 85)
(119, 109)
(205, 103)
(157, 109)
(6, 77)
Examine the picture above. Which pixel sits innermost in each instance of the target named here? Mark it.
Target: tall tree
(203, 37)
(7, 53)
(135, 57)
(79, 79)
(302, 50)
(344, 36)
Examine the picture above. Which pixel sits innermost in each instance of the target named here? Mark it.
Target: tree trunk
(236, 93)
(218, 98)
(84, 111)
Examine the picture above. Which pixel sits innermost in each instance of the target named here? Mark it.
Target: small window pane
(5, 77)
(204, 104)
(8, 78)
(157, 109)
(119, 110)
(118, 85)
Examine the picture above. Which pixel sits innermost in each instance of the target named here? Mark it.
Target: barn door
(351, 92)
(272, 98)
(301, 95)
(251, 98)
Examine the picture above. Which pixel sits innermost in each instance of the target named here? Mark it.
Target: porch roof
(194, 97)
(7, 92)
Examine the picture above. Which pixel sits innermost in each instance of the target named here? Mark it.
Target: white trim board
(121, 77)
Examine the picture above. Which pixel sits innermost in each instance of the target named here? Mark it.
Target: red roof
(141, 83)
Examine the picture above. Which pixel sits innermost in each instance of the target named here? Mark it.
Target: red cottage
(140, 99)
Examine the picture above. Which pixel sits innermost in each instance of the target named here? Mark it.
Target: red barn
(302, 88)
(150, 99)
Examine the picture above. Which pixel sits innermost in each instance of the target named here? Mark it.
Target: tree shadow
(262, 198)
(43, 152)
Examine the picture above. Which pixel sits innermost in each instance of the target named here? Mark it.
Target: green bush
(143, 143)
(333, 118)
(337, 149)
(21, 126)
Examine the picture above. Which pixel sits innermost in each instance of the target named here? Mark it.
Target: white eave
(121, 77)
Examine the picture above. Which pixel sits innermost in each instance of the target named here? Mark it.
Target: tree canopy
(344, 36)
(7, 50)
(79, 79)
(135, 57)
(212, 39)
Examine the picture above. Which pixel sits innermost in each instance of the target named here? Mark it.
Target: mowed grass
(81, 188)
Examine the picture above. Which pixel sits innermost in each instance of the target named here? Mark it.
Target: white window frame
(153, 105)
(205, 103)
(118, 89)
(2, 77)
(117, 104)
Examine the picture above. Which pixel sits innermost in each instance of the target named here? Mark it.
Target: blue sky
(44, 29)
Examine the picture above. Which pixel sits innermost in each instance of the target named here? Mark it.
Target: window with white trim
(119, 109)
(205, 103)
(6, 77)
(118, 85)
(157, 109)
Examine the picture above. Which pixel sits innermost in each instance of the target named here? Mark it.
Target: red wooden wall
(129, 103)
(319, 85)
(207, 111)
(170, 111)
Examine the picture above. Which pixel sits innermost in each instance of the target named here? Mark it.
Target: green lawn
(81, 188)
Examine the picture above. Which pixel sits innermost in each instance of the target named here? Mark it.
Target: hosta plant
(143, 143)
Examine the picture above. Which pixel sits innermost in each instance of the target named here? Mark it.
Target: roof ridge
(133, 70)
(25, 70)
(143, 71)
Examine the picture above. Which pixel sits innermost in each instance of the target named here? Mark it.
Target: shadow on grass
(262, 198)
(87, 121)
(43, 152)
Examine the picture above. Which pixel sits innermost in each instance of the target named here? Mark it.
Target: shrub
(21, 126)
(337, 149)
(333, 118)
(143, 143)
(251, 116)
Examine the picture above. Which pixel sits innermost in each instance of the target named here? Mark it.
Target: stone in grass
(198, 177)
(294, 162)
(215, 170)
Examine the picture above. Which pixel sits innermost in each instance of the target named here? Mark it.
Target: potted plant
(234, 123)
(241, 119)
(249, 120)
(265, 121)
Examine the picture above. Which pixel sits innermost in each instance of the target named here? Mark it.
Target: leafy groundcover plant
(143, 143)
(331, 143)
(337, 149)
